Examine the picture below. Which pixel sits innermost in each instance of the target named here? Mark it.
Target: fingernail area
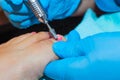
(33, 32)
(59, 37)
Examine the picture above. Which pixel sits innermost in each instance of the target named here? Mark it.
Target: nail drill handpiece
(41, 15)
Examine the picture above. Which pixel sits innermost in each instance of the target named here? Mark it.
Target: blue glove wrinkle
(19, 18)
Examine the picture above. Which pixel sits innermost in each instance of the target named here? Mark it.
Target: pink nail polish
(33, 32)
(59, 37)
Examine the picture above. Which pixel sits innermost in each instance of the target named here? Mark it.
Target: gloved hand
(95, 57)
(85, 57)
(22, 17)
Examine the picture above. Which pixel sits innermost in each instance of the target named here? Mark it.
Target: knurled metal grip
(37, 10)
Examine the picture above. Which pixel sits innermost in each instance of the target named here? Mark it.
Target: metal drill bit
(52, 31)
(39, 12)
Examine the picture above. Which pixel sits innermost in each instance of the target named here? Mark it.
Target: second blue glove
(100, 59)
(22, 17)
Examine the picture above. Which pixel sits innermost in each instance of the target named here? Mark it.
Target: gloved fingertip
(58, 48)
(73, 36)
(17, 18)
(29, 22)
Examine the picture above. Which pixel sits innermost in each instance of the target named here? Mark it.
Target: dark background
(63, 26)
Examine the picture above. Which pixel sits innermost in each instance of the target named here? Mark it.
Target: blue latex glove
(89, 58)
(96, 57)
(22, 17)
(108, 5)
